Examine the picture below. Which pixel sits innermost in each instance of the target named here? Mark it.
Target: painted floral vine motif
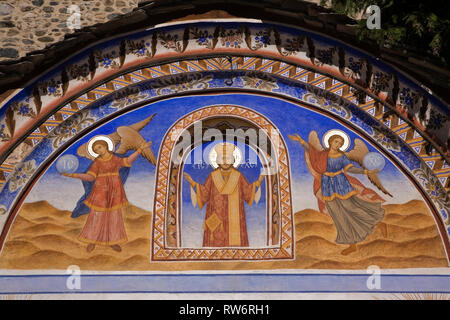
(79, 72)
(318, 98)
(203, 37)
(353, 68)
(293, 46)
(408, 98)
(385, 137)
(23, 108)
(106, 60)
(432, 186)
(182, 82)
(324, 56)
(261, 39)
(19, 154)
(70, 127)
(170, 41)
(336, 103)
(231, 38)
(21, 175)
(260, 81)
(50, 88)
(380, 82)
(127, 97)
(139, 48)
(436, 120)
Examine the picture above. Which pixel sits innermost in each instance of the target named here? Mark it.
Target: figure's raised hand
(296, 137)
(189, 178)
(260, 179)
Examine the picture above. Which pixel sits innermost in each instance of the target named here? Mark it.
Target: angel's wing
(115, 138)
(358, 152)
(314, 140)
(140, 125)
(147, 153)
(83, 152)
(373, 177)
(130, 139)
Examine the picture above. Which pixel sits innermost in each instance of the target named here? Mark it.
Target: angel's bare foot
(116, 247)
(90, 247)
(383, 228)
(350, 249)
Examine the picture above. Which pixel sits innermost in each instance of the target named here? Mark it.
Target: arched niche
(271, 148)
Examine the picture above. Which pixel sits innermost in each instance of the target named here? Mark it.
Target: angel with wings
(355, 209)
(105, 197)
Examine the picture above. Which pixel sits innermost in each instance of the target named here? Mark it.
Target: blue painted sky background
(64, 192)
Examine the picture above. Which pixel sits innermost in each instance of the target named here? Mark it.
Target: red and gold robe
(224, 196)
(104, 224)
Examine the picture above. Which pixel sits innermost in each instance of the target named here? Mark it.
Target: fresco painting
(353, 205)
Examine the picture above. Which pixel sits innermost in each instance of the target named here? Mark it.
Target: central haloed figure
(224, 193)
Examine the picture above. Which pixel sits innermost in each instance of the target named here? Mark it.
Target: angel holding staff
(355, 209)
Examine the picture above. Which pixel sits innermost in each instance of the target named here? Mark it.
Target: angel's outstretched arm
(357, 170)
(136, 154)
(133, 157)
(81, 176)
(299, 139)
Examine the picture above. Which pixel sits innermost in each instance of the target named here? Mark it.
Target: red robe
(104, 224)
(225, 224)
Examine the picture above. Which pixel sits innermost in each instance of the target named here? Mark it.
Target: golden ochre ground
(43, 237)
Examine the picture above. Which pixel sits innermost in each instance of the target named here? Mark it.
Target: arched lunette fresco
(179, 106)
(263, 75)
(98, 111)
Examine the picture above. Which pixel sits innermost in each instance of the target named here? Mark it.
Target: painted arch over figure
(228, 123)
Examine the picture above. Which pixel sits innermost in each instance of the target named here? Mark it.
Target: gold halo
(97, 138)
(340, 133)
(236, 153)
